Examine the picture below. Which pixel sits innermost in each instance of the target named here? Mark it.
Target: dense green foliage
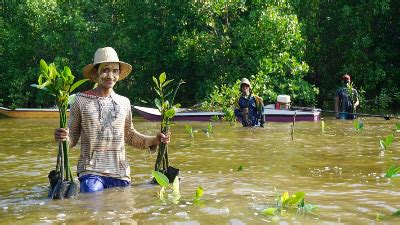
(275, 43)
(360, 38)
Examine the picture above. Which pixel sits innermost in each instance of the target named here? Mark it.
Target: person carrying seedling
(102, 120)
(249, 107)
(346, 100)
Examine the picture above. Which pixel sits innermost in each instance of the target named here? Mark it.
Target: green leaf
(199, 192)
(175, 186)
(161, 178)
(389, 140)
(156, 82)
(269, 211)
(296, 198)
(397, 127)
(71, 99)
(240, 168)
(285, 198)
(170, 113)
(158, 104)
(162, 78)
(166, 83)
(43, 66)
(397, 213)
(77, 84)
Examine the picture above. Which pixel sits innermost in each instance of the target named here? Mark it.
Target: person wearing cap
(346, 100)
(102, 120)
(249, 107)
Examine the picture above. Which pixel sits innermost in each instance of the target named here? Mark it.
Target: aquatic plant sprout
(358, 125)
(163, 194)
(286, 202)
(393, 171)
(385, 143)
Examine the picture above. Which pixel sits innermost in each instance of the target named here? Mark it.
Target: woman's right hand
(61, 134)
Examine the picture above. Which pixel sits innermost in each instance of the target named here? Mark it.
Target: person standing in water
(249, 107)
(346, 100)
(102, 120)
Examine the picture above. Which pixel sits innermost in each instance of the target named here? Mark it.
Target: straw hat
(104, 55)
(244, 81)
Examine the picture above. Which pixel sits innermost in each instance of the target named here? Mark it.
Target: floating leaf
(269, 211)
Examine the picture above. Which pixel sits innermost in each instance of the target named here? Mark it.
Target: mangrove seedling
(189, 130)
(209, 130)
(198, 195)
(385, 143)
(60, 85)
(358, 125)
(285, 202)
(163, 194)
(393, 171)
(167, 109)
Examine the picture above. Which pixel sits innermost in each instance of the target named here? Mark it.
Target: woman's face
(108, 75)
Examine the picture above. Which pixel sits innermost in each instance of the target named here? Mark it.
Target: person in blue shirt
(249, 107)
(346, 100)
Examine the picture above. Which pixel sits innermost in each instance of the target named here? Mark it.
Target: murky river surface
(340, 170)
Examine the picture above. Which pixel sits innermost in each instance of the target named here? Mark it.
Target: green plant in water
(209, 129)
(392, 171)
(198, 195)
(285, 202)
(240, 168)
(385, 143)
(163, 194)
(397, 127)
(358, 125)
(165, 104)
(189, 130)
(60, 85)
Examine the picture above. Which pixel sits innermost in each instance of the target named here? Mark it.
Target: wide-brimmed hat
(106, 55)
(244, 81)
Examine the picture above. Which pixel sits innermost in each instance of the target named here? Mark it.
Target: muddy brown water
(341, 172)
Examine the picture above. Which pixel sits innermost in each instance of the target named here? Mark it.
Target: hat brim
(89, 71)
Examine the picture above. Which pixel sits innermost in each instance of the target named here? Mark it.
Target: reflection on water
(340, 170)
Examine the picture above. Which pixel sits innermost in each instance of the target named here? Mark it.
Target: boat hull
(271, 115)
(30, 113)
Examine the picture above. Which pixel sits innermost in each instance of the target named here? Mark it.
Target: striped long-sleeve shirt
(104, 124)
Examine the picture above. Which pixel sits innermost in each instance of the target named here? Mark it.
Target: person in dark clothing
(346, 99)
(249, 107)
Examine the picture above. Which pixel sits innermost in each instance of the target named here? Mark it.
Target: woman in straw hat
(102, 120)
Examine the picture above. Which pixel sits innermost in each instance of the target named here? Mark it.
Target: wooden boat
(30, 112)
(271, 114)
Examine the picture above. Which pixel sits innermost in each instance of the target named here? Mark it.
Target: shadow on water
(341, 171)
